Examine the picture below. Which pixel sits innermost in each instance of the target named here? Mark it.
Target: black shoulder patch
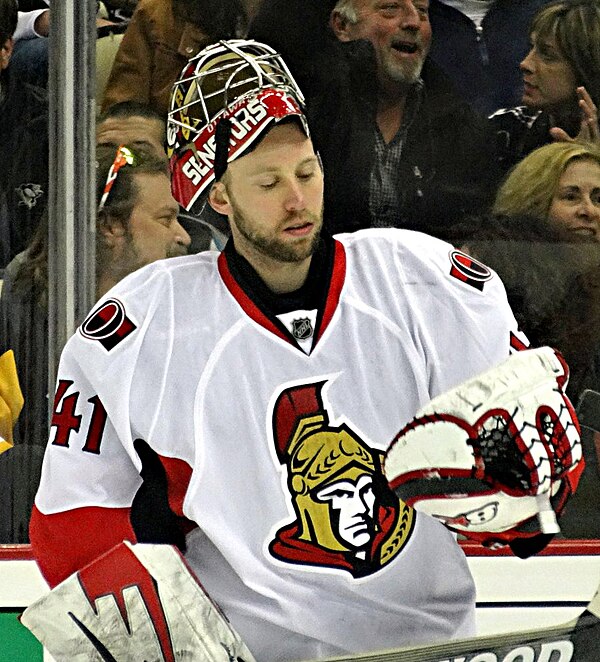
(109, 324)
(468, 270)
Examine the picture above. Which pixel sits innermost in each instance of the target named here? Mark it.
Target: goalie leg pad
(136, 602)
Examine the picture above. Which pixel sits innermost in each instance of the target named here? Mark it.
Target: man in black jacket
(398, 145)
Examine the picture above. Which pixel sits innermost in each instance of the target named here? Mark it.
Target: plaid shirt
(385, 203)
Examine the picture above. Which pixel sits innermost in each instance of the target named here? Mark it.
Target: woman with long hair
(558, 183)
(561, 82)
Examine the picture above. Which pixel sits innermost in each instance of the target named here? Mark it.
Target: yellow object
(11, 399)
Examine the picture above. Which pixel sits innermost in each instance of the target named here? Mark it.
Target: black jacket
(448, 165)
(447, 168)
(24, 158)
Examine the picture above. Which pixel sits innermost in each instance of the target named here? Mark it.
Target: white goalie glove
(136, 602)
(496, 457)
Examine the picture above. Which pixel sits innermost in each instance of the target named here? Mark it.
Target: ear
(219, 199)
(341, 26)
(111, 229)
(6, 52)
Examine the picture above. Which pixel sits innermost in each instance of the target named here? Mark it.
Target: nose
(589, 210)
(294, 200)
(526, 65)
(181, 235)
(409, 17)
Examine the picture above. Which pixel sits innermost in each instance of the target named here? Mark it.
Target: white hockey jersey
(271, 433)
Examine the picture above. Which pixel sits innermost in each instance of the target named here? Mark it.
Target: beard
(274, 248)
(406, 73)
(403, 72)
(131, 259)
(176, 250)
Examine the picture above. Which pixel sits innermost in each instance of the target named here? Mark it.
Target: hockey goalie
(494, 459)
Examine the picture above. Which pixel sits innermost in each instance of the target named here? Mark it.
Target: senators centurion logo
(345, 516)
(109, 324)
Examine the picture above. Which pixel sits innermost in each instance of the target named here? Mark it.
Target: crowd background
(476, 145)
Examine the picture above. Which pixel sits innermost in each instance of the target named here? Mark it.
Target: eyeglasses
(123, 157)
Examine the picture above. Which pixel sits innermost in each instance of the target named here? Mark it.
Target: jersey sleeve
(463, 320)
(91, 471)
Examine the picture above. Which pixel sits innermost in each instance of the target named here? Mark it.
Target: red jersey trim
(338, 277)
(335, 286)
(248, 306)
(179, 474)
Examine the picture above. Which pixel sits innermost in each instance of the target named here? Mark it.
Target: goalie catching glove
(495, 457)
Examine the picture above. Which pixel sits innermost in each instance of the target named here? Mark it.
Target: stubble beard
(274, 248)
(131, 260)
(176, 250)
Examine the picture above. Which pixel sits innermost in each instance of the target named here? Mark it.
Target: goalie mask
(224, 102)
(497, 456)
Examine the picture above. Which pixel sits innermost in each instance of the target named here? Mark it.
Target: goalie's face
(273, 197)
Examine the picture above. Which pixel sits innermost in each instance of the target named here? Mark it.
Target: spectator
(23, 147)
(137, 225)
(479, 45)
(160, 38)
(139, 125)
(543, 243)
(11, 399)
(552, 280)
(558, 183)
(140, 226)
(30, 57)
(561, 75)
(399, 147)
(133, 123)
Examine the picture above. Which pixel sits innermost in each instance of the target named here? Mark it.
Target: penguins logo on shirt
(29, 194)
(346, 516)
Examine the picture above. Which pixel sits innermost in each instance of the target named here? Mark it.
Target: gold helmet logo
(345, 514)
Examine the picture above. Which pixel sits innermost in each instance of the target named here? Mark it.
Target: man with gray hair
(400, 148)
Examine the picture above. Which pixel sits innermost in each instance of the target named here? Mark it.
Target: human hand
(589, 131)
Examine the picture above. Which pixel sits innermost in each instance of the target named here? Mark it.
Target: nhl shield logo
(302, 328)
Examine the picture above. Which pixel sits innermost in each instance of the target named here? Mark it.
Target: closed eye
(266, 186)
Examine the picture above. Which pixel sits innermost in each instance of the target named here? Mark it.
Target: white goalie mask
(497, 456)
(225, 99)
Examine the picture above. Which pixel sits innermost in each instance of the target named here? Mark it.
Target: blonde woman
(558, 183)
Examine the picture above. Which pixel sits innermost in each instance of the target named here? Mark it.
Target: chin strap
(222, 136)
